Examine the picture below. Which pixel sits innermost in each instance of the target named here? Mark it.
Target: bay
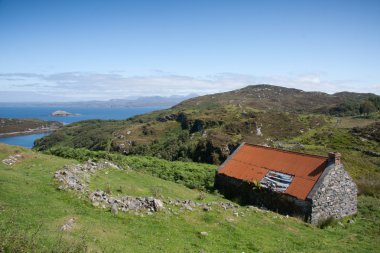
(44, 113)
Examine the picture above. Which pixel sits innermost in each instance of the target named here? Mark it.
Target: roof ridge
(286, 151)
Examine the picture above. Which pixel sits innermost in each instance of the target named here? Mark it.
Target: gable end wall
(336, 196)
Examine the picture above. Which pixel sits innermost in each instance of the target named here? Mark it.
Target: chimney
(335, 157)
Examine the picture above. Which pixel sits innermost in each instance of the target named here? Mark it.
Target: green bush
(193, 175)
(328, 222)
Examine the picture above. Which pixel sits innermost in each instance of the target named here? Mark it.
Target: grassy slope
(139, 184)
(206, 128)
(29, 195)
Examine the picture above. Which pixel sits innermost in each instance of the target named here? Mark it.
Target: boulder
(158, 205)
(114, 209)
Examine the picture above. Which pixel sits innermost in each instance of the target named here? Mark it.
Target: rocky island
(14, 127)
(61, 113)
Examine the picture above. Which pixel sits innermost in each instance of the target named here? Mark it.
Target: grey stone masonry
(335, 196)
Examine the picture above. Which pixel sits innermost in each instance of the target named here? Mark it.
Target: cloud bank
(82, 86)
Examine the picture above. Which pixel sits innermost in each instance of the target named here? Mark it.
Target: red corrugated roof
(252, 162)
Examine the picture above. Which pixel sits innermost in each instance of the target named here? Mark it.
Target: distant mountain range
(151, 101)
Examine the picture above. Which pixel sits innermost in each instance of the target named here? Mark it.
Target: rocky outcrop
(12, 159)
(125, 203)
(61, 113)
(167, 117)
(76, 177)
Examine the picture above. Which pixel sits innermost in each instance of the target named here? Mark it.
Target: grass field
(32, 211)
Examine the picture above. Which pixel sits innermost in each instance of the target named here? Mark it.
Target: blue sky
(88, 49)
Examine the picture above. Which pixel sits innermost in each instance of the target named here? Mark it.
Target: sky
(72, 50)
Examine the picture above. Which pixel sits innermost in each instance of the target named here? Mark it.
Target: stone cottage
(308, 186)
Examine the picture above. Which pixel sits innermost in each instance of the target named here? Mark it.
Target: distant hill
(208, 128)
(127, 102)
(281, 99)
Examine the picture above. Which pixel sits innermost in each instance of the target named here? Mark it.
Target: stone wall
(335, 195)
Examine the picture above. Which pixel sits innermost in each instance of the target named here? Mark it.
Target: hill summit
(208, 128)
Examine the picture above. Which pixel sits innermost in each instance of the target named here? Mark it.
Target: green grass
(134, 183)
(192, 175)
(31, 204)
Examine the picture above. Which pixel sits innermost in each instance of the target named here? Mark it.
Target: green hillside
(32, 210)
(208, 128)
(11, 127)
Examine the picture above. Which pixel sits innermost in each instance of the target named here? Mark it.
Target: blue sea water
(22, 140)
(44, 113)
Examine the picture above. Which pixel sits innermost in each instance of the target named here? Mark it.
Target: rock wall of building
(336, 196)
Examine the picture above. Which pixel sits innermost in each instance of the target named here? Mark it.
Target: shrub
(201, 195)
(156, 191)
(193, 175)
(108, 189)
(369, 185)
(328, 222)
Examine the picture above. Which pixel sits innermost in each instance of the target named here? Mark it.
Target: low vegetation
(206, 129)
(32, 211)
(192, 175)
(10, 127)
(158, 153)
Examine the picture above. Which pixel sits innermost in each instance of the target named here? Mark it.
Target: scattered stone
(114, 209)
(68, 225)
(371, 153)
(61, 187)
(187, 207)
(158, 205)
(258, 131)
(230, 220)
(12, 159)
(76, 177)
(236, 214)
(203, 234)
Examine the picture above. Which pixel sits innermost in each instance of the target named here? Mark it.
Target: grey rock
(68, 225)
(114, 209)
(158, 205)
(203, 234)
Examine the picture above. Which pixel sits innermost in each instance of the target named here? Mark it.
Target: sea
(85, 113)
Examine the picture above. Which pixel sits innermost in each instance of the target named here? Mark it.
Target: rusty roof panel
(252, 162)
(300, 188)
(243, 171)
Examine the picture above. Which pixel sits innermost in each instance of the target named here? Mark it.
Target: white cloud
(74, 86)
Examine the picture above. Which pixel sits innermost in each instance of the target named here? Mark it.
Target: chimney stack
(335, 157)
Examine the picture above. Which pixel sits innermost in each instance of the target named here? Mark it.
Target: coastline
(28, 132)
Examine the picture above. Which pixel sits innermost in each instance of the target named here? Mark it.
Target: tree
(367, 107)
